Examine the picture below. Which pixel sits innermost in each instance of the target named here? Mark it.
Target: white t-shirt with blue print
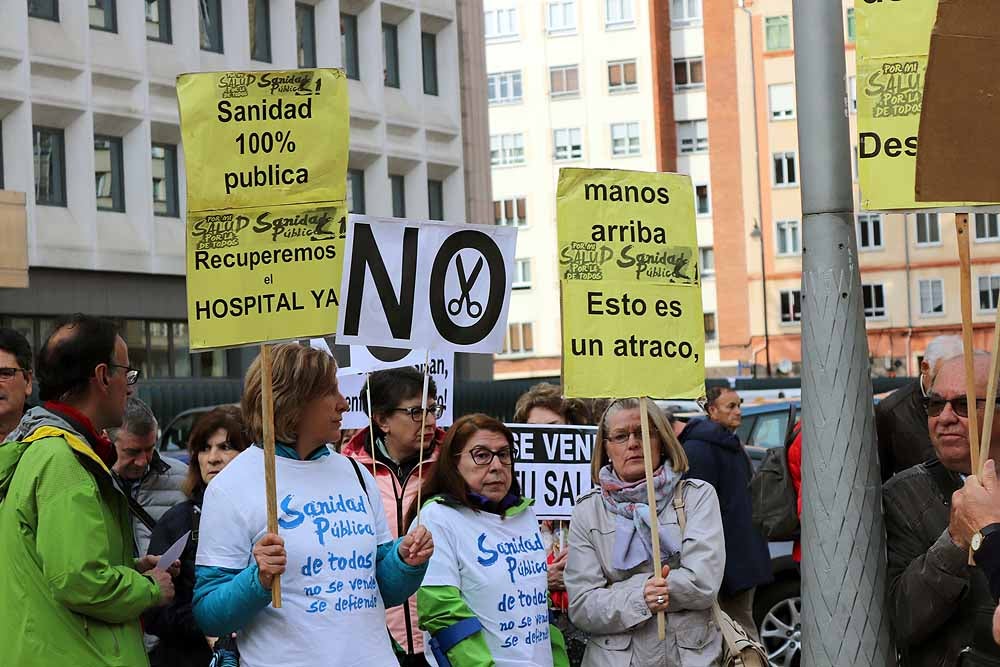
(332, 614)
(499, 565)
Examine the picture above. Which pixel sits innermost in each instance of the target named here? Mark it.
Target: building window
(624, 139)
(50, 166)
(158, 27)
(777, 33)
(568, 143)
(685, 12)
(103, 15)
(617, 13)
(692, 136)
(689, 73)
(621, 76)
(989, 292)
(501, 23)
(706, 261)
(781, 97)
(702, 199)
(522, 274)
(435, 199)
(791, 306)
(165, 200)
(210, 23)
(356, 191)
(108, 173)
(564, 80)
(428, 47)
(503, 87)
(852, 93)
(562, 16)
(928, 229)
(851, 35)
(44, 9)
(870, 231)
(398, 184)
(349, 46)
(931, 296)
(390, 54)
(874, 301)
(784, 169)
(987, 227)
(519, 339)
(305, 31)
(511, 212)
(260, 30)
(710, 332)
(506, 149)
(788, 238)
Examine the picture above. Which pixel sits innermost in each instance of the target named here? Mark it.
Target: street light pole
(757, 234)
(844, 619)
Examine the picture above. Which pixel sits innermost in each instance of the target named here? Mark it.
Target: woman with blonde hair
(613, 591)
(338, 563)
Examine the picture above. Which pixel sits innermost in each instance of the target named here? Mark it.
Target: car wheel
(779, 621)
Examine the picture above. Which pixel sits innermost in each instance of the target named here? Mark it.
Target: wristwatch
(979, 536)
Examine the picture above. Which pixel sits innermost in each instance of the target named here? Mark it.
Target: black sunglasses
(935, 405)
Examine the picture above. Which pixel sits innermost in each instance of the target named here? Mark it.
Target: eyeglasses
(7, 374)
(621, 437)
(935, 405)
(131, 374)
(484, 457)
(414, 412)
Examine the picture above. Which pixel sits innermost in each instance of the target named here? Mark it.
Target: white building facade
(90, 133)
(571, 83)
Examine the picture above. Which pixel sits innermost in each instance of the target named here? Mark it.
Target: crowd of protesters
(467, 576)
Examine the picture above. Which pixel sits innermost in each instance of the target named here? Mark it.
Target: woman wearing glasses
(396, 395)
(613, 591)
(339, 565)
(216, 439)
(484, 597)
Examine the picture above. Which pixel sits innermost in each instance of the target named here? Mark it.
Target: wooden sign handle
(962, 230)
(423, 424)
(267, 409)
(654, 515)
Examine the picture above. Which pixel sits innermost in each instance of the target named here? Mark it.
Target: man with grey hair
(901, 419)
(153, 481)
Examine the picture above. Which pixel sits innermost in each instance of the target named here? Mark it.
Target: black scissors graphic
(465, 283)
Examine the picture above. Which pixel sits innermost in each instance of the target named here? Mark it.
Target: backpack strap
(361, 479)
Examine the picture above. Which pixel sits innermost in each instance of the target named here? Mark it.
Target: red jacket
(795, 470)
(396, 498)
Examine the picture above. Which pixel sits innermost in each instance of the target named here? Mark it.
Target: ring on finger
(659, 599)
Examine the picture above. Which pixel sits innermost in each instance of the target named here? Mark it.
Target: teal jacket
(71, 594)
(225, 600)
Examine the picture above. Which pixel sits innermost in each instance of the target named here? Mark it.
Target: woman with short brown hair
(345, 567)
(484, 600)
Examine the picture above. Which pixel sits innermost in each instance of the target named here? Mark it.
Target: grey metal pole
(844, 621)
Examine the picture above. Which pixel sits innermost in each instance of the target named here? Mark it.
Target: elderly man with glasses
(15, 378)
(941, 607)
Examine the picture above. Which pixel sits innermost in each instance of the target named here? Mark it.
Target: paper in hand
(173, 553)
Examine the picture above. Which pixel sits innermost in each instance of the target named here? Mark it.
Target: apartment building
(590, 83)
(92, 184)
(908, 262)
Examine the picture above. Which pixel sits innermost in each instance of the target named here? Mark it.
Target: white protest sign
(441, 368)
(553, 465)
(419, 284)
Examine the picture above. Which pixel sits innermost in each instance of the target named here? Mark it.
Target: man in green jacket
(69, 578)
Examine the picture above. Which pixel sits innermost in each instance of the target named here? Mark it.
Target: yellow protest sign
(263, 274)
(893, 43)
(625, 235)
(257, 138)
(632, 322)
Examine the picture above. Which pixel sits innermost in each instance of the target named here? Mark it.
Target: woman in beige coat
(613, 592)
